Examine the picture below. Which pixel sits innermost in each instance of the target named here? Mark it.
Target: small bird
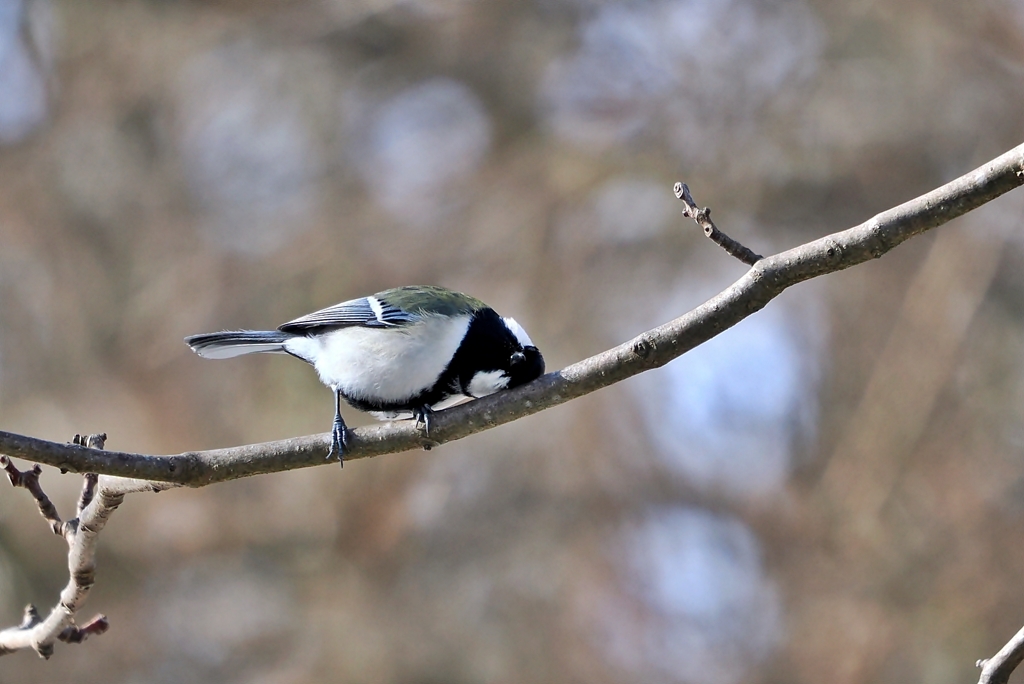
(401, 353)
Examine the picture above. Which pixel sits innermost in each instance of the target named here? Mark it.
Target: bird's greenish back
(430, 299)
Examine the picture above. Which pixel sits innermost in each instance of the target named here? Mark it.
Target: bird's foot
(339, 442)
(422, 415)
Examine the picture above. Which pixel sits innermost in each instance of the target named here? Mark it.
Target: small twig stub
(703, 219)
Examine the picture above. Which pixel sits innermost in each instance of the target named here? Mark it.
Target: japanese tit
(401, 353)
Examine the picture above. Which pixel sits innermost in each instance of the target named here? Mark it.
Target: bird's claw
(339, 442)
(422, 415)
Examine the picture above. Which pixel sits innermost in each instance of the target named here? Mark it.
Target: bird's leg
(339, 435)
(422, 415)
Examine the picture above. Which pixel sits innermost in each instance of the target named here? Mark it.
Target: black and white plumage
(399, 353)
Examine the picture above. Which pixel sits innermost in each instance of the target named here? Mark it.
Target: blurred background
(834, 488)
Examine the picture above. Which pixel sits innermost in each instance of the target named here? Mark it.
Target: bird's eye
(518, 357)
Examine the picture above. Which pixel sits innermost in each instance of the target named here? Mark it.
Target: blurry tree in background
(834, 486)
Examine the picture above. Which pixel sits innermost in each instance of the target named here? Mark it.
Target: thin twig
(91, 479)
(74, 634)
(703, 219)
(29, 480)
(998, 668)
(89, 482)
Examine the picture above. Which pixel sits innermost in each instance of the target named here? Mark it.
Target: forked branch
(99, 499)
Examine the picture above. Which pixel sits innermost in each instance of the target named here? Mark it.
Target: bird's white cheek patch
(487, 382)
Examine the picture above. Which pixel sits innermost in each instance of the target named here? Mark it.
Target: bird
(400, 353)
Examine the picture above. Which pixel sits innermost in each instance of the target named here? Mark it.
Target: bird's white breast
(383, 364)
(487, 382)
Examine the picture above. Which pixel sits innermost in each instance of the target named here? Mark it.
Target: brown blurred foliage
(848, 505)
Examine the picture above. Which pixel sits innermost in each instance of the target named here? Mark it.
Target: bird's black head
(495, 354)
(525, 362)
(524, 366)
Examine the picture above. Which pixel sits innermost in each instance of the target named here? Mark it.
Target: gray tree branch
(998, 668)
(765, 280)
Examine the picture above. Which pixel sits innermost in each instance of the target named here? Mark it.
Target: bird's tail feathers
(229, 343)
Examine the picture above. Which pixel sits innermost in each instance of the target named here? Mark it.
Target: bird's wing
(369, 312)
